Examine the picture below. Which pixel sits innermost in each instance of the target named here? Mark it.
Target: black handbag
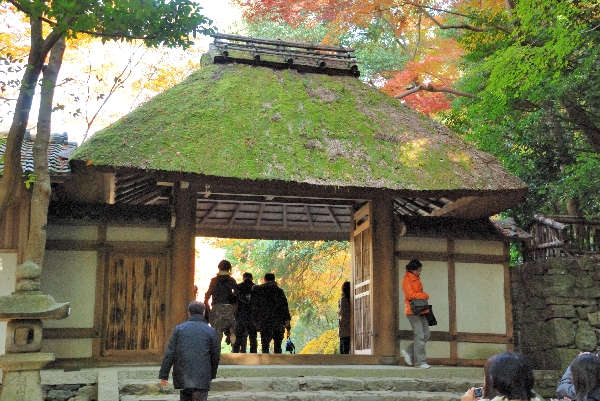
(431, 320)
(418, 306)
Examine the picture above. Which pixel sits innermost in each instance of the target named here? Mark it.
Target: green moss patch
(250, 122)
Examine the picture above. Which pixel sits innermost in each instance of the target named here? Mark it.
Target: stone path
(288, 382)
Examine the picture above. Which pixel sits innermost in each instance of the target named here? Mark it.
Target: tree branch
(458, 26)
(431, 88)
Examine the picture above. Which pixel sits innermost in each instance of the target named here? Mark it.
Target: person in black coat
(244, 326)
(194, 353)
(270, 313)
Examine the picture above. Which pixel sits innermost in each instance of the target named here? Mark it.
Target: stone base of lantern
(22, 375)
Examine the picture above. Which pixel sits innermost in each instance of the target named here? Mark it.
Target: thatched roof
(256, 123)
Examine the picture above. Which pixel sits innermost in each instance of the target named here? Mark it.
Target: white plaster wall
(475, 247)
(434, 277)
(434, 349)
(479, 350)
(421, 244)
(129, 234)
(71, 348)
(72, 233)
(8, 265)
(480, 304)
(70, 276)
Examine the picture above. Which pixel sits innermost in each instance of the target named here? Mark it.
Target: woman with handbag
(412, 287)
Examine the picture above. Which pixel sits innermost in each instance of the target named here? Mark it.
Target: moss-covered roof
(240, 121)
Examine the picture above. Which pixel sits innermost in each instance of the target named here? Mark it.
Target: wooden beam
(260, 213)
(309, 216)
(334, 218)
(252, 233)
(234, 214)
(207, 215)
(549, 222)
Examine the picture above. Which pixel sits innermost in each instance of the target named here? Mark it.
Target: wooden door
(362, 268)
(135, 298)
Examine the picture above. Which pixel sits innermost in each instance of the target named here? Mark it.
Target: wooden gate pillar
(384, 281)
(182, 266)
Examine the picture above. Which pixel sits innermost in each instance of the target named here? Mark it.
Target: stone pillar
(24, 310)
(182, 268)
(384, 282)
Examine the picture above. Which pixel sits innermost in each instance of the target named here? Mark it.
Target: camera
(478, 392)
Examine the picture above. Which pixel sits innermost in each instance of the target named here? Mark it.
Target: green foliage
(538, 102)
(28, 180)
(581, 181)
(327, 343)
(310, 272)
(375, 47)
(157, 22)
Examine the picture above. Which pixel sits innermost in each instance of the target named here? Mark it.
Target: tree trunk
(13, 171)
(36, 243)
(581, 117)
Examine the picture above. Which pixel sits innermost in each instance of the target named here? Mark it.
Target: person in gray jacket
(194, 353)
(566, 388)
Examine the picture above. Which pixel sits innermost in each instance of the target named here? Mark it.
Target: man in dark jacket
(193, 352)
(244, 326)
(270, 313)
(222, 291)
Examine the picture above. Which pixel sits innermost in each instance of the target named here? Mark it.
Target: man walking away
(193, 352)
(222, 290)
(244, 327)
(270, 313)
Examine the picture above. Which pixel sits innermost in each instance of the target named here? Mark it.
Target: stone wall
(556, 309)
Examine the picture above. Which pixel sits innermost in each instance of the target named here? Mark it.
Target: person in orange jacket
(412, 287)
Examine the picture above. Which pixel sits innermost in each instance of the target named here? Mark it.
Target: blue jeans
(420, 329)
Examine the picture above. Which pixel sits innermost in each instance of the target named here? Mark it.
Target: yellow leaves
(328, 343)
(410, 153)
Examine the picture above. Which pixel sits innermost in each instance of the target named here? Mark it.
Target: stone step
(256, 371)
(309, 385)
(310, 396)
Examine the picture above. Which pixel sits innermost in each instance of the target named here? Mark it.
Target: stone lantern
(24, 311)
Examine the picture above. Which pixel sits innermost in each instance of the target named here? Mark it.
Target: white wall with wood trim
(8, 266)
(74, 270)
(466, 282)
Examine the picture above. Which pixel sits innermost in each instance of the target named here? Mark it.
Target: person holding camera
(507, 376)
(581, 381)
(566, 387)
(412, 287)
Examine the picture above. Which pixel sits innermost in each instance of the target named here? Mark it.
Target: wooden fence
(558, 236)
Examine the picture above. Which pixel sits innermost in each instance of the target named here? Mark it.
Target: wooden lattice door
(362, 263)
(134, 318)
